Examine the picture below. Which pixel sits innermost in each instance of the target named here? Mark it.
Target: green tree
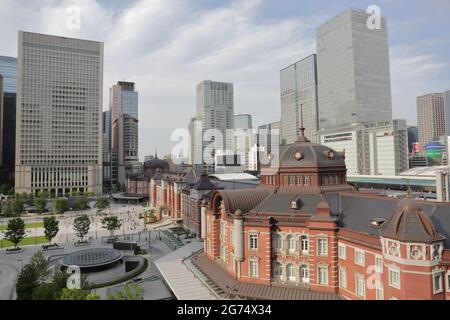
(74, 294)
(17, 206)
(82, 203)
(43, 194)
(4, 188)
(15, 231)
(115, 188)
(129, 292)
(51, 226)
(26, 283)
(111, 224)
(40, 204)
(102, 203)
(7, 210)
(93, 296)
(81, 225)
(61, 205)
(40, 265)
(74, 193)
(46, 291)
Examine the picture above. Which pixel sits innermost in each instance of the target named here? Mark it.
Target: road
(8, 275)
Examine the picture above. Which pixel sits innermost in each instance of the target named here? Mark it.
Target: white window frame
(291, 240)
(342, 273)
(319, 275)
(291, 277)
(360, 253)
(304, 242)
(277, 274)
(304, 279)
(397, 271)
(251, 264)
(277, 238)
(378, 267)
(448, 281)
(360, 283)
(322, 250)
(440, 275)
(342, 251)
(379, 290)
(251, 242)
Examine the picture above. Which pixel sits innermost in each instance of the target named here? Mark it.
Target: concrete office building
(8, 69)
(430, 118)
(243, 121)
(59, 115)
(371, 149)
(447, 112)
(353, 71)
(215, 110)
(299, 90)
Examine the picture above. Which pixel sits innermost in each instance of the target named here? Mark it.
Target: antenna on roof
(302, 137)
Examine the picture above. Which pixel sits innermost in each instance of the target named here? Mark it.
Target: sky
(168, 46)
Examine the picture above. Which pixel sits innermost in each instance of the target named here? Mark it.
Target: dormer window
(377, 222)
(294, 205)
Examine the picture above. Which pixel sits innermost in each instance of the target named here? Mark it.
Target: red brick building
(305, 230)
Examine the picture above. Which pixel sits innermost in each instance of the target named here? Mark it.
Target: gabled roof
(203, 183)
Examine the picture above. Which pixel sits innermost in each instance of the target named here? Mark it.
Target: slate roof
(280, 203)
(255, 291)
(313, 155)
(410, 224)
(203, 183)
(244, 200)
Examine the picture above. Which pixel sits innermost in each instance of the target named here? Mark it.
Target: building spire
(156, 153)
(302, 137)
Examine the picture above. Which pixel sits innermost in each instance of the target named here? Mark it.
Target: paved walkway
(8, 275)
(179, 278)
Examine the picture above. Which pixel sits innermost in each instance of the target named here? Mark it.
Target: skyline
(168, 48)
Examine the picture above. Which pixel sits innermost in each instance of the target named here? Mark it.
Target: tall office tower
(59, 115)
(123, 99)
(413, 138)
(215, 109)
(430, 118)
(269, 140)
(8, 69)
(124, 150)
(243, 121)
(195, 142)
(447, 112)
(106, 154)
(353, 71)
(379, 148)
(299, 91)
(1, 120)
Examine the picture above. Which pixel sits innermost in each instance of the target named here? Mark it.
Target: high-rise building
(59, 115)
(430, 118)
(123, 99)
(243, 121)
(124, 150)
(269, 140)
(8, 72)
(447, 112)
(215, 110)
(379, 148)
(299, 99)
(195, 142)
(106, 149)
(353, 71)
(8, 69)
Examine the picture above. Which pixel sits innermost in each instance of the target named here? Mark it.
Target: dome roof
(410, 224)
(308, 154)
(156, 163)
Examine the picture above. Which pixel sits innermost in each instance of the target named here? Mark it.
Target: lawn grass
(26, 241)
(27, 226)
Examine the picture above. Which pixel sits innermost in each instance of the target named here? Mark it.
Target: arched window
(278, 242)
(277, 270)
(304, 243)
(291, 276)
(306, 181)
(304, 273)
(291, 244)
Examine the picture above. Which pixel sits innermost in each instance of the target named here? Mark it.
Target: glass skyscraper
(8, 69)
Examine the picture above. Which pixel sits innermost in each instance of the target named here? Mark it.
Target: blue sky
(168, 46)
